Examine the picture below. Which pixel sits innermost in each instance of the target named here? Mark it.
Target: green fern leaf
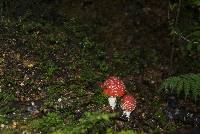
(179, 87)
(189, 84)
(195, 91)
(186, 87)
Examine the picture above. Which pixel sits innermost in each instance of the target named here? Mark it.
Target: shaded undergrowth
(49, 72)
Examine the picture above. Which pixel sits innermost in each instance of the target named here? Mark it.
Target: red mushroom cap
(128, 103)
(113, 86)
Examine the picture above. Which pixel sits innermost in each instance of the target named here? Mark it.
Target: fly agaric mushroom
(128, 104)
(113, 87)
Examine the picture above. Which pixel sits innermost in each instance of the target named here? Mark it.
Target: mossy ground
(50, 66)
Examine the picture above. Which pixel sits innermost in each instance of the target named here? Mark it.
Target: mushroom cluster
(114, 87)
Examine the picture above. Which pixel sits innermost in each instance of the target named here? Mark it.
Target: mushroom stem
(127, 113)
(112, 102)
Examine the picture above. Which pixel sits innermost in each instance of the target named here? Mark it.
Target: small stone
(30, 65)
(21, 84)
(152, 82)
(2, 125)
(14, 125)
(32, 103)
(59, 100)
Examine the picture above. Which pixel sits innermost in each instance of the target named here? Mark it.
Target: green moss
(100, 98)
(91, 122)
(54, 90)
(6, 97)
(47, 123)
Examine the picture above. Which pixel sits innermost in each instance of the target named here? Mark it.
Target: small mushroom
(128, 104)
(113, 87)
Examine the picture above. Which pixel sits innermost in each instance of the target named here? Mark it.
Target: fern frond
(189, 84)
(179, 87)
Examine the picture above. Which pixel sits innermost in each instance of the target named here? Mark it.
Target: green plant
(91, 123)
(78, 89)
(127, 132)
(184, 32)
(6, 97)
(50, 69)
(87, 43)
(194, 2)
(188, 83)
(7, 131)
(3, 119)
(99, 98)
(47, 123)
(158, 114)
(1, 60)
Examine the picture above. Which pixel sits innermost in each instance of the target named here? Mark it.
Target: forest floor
(50, 66)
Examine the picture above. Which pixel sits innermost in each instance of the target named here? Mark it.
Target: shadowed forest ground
(53, 53)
